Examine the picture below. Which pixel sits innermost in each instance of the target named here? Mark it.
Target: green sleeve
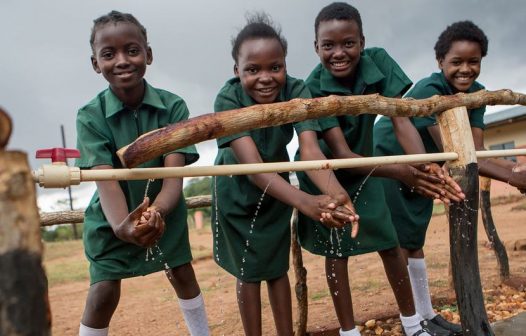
(328, 122)
(301, 91)
(423, 91)
(476, 117)
(225, 101)
(95, 144)
(396, 81)
(179, 112)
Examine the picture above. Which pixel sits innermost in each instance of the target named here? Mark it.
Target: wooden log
(214, 125)
(456, 136)
(24, 305)
(300, 273)
(491, 230)
(5, 128)
(77, 216)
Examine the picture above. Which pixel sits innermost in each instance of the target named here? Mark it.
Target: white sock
(411, 324)
(195, 315)
(87, 331)
(352, 332)
(419, 283)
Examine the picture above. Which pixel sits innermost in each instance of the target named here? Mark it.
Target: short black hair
(460, 31)
(116, 17)
(259, 25)
(338, 11)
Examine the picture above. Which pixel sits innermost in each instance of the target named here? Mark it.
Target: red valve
(57, 154)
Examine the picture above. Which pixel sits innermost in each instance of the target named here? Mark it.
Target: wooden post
(24, 305)
(456, 136)
(300, 273)
(491, 230)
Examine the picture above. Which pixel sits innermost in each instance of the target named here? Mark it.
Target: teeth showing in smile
(266, 90)
(124, 73)
(339, 64)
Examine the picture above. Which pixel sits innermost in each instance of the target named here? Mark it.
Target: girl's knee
(183, 273)
(104, 294)
(394, 252)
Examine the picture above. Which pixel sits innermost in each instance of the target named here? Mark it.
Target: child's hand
(345, 212)
(330, 211)
(432, 181)
(138, 230)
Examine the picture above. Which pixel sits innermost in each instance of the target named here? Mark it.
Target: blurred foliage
(60, 232)
(198, 186)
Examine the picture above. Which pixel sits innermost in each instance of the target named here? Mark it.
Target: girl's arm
(422, 182)
(324, 179)
(495, 168)
(246, 151)
(171, 189)
(408, 136)
(124, 224)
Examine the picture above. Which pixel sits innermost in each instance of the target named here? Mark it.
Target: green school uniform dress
(377, 73)
(411, 212)
(253, 250)
(103, 126)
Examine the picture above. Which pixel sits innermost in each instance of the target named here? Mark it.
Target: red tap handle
(57, 154)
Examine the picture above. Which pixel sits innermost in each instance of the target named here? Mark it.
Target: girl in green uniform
(116, 240)
(459, 52)
(348, 69)
(251, 215)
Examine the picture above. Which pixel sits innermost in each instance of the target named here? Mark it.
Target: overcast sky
(46, 74)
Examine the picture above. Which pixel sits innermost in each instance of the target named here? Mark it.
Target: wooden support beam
(491, 230)
(215, 125)
(77, 216)
(300, 273)
(456, 136)
(24, 305)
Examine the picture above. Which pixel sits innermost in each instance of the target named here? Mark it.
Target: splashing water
(252, 222)
(255, 216)
(148, 187)
(151, 251)
(337, 232)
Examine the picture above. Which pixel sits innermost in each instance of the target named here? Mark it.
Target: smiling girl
(459, 52)
(251, 221)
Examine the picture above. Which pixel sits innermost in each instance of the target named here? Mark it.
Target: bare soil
(148, 305)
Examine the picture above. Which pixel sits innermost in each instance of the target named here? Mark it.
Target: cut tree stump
(24, 305)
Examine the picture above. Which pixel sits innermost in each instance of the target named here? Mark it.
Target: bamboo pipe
(53, 176)
(215, 125)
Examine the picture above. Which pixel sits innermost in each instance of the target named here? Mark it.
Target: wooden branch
(491, 230)
(215, 125)
(24, 304)
(5, 128)
(300, 273)
(463, 216)
(77, 216)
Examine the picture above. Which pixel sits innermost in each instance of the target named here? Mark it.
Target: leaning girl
(251, 221)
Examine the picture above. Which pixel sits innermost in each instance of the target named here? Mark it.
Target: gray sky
(46, 74)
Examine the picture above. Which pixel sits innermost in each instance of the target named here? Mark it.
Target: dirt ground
(148, 305)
